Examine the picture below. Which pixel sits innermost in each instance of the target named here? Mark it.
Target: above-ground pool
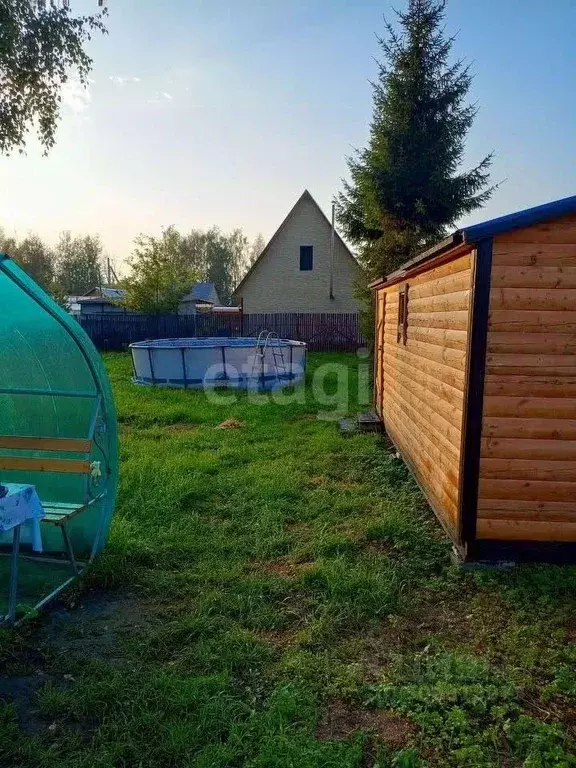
(263, 363)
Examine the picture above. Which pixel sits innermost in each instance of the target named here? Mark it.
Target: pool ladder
(268, 340)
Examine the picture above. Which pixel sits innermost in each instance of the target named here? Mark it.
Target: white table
(21, 506)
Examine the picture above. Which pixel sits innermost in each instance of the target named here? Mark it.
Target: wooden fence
(322, 332)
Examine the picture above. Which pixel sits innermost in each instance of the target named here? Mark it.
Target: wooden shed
(475, 381)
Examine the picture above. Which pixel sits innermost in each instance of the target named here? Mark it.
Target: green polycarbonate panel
(44, 349)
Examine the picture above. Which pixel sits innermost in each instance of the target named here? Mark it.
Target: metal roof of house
(97, 300)
(105, 292)
(485, 229)
(202, 292)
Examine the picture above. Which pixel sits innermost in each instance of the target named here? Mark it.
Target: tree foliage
(160, 273)
(40, 44)
(78, 263)
(37, 259)
(163, 269)
(256, 248)
(70, 268)
(225, 260)
(33, 255)
(406, 187)
(218, 257)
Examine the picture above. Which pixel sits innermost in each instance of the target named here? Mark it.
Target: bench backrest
(62, 445)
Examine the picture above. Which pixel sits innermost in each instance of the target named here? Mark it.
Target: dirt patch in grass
(178, 427)
(278, 638)
(447, 622)
(296, 610)
(284, 568)
(462, 619)
(332, 483)
(378, 547)
(20, 692)
(348, 486)
(298, 528)
(69, 635)
(232, 424)
(306, 417)
(570, 631)
(92, 625)
(568, 717)
(341, 720)
(215, 520)
(316, 482)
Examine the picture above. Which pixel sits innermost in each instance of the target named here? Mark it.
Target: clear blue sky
(221, 112)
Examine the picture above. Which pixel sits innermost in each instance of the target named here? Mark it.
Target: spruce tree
(407, 186)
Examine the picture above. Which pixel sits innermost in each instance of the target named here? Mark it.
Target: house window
(306, 257)
(402, 333)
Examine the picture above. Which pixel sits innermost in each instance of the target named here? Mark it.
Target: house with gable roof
(292, 274)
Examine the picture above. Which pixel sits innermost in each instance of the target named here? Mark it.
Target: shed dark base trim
(474, 396)
(522, 551)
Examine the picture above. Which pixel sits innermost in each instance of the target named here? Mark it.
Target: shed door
(379, 347)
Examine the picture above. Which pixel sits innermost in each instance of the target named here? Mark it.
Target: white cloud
(122, 81)
(161, 97)
(75, 96)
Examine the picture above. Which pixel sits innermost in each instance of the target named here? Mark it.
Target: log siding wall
(527, 488)
(420, 385)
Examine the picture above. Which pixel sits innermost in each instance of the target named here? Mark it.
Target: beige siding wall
(528, 464)
(420, 385)
(277, 284)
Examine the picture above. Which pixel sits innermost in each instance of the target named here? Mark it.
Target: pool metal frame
(244, 382)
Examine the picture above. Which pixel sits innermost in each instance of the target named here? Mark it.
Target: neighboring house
(102, 299)
(72, 305)
(292, 274)
(201, 296)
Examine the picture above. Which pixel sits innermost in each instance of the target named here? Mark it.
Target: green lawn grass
(280, 596)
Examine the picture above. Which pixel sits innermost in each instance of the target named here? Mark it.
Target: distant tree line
(70, 268)
(162, 268)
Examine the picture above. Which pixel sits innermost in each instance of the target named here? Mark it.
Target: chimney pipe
(332, 243)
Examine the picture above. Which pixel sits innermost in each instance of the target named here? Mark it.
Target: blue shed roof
(486, 229)
(525, 218)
